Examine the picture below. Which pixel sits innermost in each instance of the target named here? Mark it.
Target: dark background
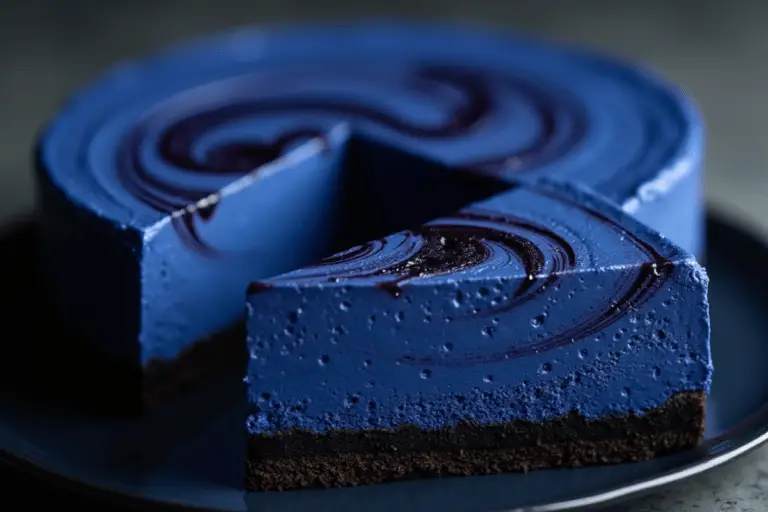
(715, 49)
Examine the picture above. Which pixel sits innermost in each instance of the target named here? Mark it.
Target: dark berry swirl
(468, 240)
(167, 135)
(468, 100)
(477, 240)
(631, 293)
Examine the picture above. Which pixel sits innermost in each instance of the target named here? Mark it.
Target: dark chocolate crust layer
(209, 358)
(301, 459)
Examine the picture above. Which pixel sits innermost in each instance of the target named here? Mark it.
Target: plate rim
(752, 432)
(684, 472)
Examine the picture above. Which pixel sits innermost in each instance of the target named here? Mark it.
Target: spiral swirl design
(561, 123)
(176, 133)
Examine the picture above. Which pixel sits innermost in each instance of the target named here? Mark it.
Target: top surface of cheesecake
(159, 136)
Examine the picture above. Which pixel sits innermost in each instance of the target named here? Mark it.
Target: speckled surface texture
(48, 47)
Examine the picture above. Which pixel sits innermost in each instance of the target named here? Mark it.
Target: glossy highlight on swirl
(454, 243)
(181, 125)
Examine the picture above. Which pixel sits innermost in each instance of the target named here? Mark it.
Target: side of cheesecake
(540, 328)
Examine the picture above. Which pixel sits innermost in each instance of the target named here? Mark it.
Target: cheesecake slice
(540, 328)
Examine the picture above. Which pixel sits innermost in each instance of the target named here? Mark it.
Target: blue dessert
(542, 327)
(171, 182)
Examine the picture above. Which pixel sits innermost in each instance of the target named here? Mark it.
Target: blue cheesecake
(540, 328)
(173, 181)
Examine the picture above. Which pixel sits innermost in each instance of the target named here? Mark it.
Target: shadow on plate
(44, 365)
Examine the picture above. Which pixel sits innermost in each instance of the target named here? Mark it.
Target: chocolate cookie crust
(297, 459)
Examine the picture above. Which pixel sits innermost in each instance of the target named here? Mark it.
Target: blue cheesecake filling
(536, 303)
(205, 167)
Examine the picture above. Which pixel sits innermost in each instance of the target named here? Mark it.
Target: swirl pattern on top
(475, 102)
(476, 238)
(166, 136)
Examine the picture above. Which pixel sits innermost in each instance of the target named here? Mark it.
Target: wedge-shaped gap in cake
(384, 190)
(323, 197)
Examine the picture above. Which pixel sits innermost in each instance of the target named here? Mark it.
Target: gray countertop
(715, 49)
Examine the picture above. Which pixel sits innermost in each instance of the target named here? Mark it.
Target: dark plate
(180, 457)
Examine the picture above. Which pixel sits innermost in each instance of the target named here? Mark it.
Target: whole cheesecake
(410, 167)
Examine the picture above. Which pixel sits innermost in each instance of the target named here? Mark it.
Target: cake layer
(171, 181)
(297, 460)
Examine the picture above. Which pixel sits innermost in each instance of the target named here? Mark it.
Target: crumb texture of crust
(295, 460)
(196, 365)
